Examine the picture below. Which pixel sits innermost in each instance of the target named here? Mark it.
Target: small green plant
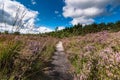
(16, 33)
(6, 32)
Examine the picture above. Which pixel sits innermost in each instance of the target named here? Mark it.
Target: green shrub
(6, 32)
(16, 33)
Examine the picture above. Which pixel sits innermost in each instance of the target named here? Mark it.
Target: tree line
(78, 29)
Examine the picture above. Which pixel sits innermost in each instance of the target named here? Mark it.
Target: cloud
(40, 29)
(60, 28)
(15, 15)
(84, 11)
(59, 15)
(6, 18)
(56, 12)
(33, 2)
(43, 29)
(82, 20)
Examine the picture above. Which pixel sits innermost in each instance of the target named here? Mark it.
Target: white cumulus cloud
(84, 11)
(14, 15)
(9, 28)
(60, 28)
(41, 29)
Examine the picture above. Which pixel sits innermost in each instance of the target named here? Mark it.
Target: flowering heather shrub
(23, 57)
(110, 60)
(89, 48)
(117, 57)
(95, 56)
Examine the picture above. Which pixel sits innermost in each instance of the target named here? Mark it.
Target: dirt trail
(61, 65)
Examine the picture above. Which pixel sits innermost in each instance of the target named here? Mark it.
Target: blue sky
(46, 15)
(110, 17)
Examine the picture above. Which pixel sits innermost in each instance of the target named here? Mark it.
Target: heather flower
(109, 73)
(89, 48)
(108, 51)
(104, 54)
(117, 57)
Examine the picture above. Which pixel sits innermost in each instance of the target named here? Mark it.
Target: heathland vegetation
(23, 57)
(93, 51)
(78, 29)
(95, 56)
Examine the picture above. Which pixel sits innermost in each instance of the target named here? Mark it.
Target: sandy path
(61, 65)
